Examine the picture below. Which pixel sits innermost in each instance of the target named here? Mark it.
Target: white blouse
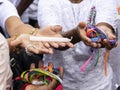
(68, 15)
(6, 10)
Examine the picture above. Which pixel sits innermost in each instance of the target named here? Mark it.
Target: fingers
(111, 41)
(82, 33)
(41, 64)
(60, 44)
(110, 35)
(46, 44)
(15, 42)
(56, 28)
(32, 47)
(82, 25)
(38, 49)
(32, 66)
(83, 36)
(53, 44)
(53, 31)
(107, 43)
(69, 44)
(20, 40)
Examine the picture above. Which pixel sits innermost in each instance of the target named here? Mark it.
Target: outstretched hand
(99, 44)
(111, 36)
(53, 31)
(83, 36)
(41, 47)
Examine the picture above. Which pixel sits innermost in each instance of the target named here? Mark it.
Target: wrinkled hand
(23, 40)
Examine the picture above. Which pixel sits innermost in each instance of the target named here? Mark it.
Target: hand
(41, 47)
(110, 36)
(34, 47)
(52, 85)
(100, 43)
(53, 31)
(83, 36)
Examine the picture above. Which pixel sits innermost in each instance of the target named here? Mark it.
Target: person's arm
(79, 34)
(106, 18)
(11, 22)
(15, 26)
(23, 5)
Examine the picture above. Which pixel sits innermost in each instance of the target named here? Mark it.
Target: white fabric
(32, 10)
(118, 2)
(115, 56)
(24, 16)
(5, 70)
(6, 10)
(15, 2)
(68, 15)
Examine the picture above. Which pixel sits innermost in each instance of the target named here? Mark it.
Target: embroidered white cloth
(68, 15)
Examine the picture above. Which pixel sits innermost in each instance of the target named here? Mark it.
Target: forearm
(15, 26)
(23, 5)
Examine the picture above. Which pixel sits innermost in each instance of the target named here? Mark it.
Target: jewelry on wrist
(34, 31)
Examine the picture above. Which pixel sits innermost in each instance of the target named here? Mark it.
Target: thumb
(56, 28)
(82, 25)
(110, 35)
(15, 42)
(82, 32)
(32, 66)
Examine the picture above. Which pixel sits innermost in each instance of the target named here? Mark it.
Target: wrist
(34, 31)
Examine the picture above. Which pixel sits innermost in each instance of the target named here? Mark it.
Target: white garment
(5, 70)
(118, 2)
(6, 10)
(115, 56)
(24, 16)
(68, 15)
(32, 10)
(15, 2)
